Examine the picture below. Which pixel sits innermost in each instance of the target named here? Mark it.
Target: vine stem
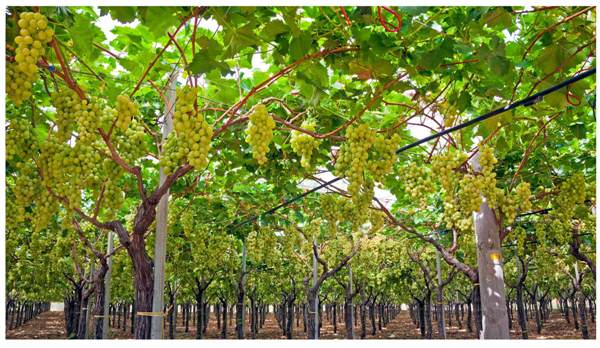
(232, 111)
(66, 71)
(182, 53)
(529, 150)
(565, 20)
(371, 102)
(162, 51)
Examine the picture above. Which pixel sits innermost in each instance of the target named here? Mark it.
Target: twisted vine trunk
(521, 312)
(100, 290)
(312, 304)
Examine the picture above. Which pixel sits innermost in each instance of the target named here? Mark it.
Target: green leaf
(159, 19)
(498, 17)
(300, 46)
(579, 130)
(123, 14)
(274, 28)
(84, 32)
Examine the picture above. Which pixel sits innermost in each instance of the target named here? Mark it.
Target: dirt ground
(50, 325)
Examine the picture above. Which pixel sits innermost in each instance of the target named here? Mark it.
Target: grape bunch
(383, 155)
(126, 110)
(193, 133)
(444, 166)
(25, 190)
(417, 182)
(354, 155)
(33, 35)
(304, 144)
(18, 84)
(469, 193)
(46, 207)
(259, 132)
(66, 104)
(131, 144)
(20, 140)
(487, 162)
(90, 116)
(173, 154)
(331, 206)
(571, 196)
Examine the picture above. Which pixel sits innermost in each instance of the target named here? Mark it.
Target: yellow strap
(151, 314)
(155, 314)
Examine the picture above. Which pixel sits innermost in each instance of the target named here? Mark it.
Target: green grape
(383, 156)
(443, 167)
(173, 153)
(65, 103)
(417, 182)
(571, 196)
(354, 154)
(26, 189)
(34, 34)
(131, 144)
(20, 140)
(194, 134)
(469, 193)
(304, 144)
(126, 110)
(18, 84)
(259, 132)
(89, 118)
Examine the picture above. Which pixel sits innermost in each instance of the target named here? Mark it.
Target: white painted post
(160, 244)
(440, 297)
(315, 280)
(107, 280)
(491, 274)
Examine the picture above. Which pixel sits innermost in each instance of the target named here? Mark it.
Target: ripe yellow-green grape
(20, 140)
(18, 84)
(126, 110)
(383, 156)
(259, 132)
(34, 34)
(131, 144)
(571, 196)
(417, 182)
(192, 137)
(304, 144)
(173, 154)
(354, 154)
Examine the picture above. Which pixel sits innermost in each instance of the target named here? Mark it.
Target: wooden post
(109, 250)
(491, 275)
(440, 297)
(315, 281)
(160, 244)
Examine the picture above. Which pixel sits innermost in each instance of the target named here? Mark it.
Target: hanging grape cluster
(570, 197)
(131, 144)
(464, 192)
(126, 110)
(66, 104)
(173, 155)
(517, 202)
(89, 117)
(417, 182)
(20, 140)
(365, 154)
(353, 157)
(34, 34)
(259, 132)
(192, 134)
(304, 144)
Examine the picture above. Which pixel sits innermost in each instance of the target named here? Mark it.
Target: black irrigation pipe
(528, 101)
